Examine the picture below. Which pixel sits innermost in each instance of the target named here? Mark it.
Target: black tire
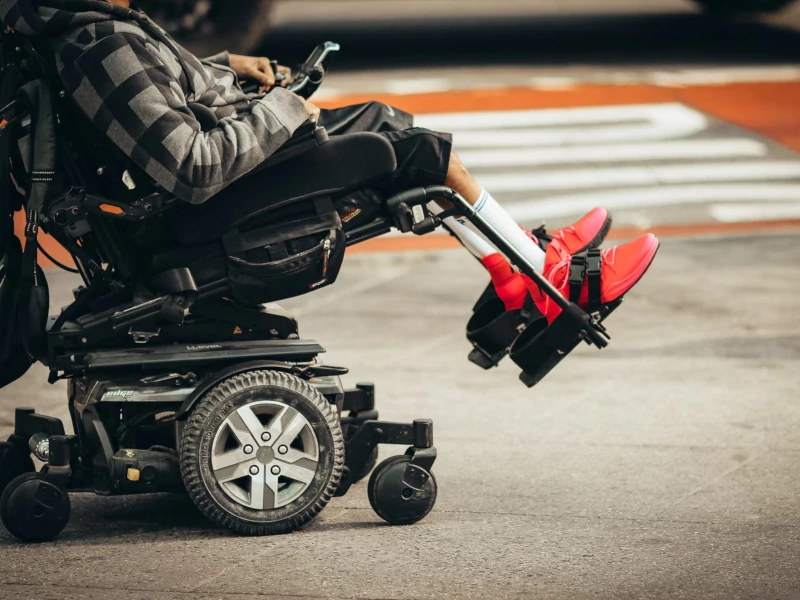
(6, 495)
(368, 466)
(744, 7)
(13, 463)
(203, 428)
(22, 524)
(388, 503)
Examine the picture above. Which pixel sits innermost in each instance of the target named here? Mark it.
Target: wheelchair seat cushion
(345, 163)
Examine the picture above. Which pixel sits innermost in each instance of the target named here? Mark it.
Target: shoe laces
(567, 229)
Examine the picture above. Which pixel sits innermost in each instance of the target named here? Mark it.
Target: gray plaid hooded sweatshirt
(135, 84)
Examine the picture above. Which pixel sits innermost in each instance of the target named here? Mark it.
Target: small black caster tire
(368, 466)
(392, 500)
(13, 463)
(33, 510)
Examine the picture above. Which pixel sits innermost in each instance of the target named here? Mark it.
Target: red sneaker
(621, 268)
(587, 233)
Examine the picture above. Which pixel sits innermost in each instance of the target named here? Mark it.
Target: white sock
(508, 228)
(471, 240)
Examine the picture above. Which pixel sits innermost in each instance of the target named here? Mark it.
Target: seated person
(135, 83)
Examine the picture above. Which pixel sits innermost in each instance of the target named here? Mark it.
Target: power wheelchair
(183, 375)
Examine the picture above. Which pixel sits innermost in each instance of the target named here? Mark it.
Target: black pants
(423, 156)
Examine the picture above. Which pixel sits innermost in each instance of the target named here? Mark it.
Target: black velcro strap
(594, 266)
(577, 275)
(35, 96)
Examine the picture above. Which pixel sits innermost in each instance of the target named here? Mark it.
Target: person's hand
(259, 69)
(313, 111)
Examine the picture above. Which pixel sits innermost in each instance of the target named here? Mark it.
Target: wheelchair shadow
(122, 520)
(125, 519)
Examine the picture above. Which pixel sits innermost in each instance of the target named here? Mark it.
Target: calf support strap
(34, 298)
(586, 267)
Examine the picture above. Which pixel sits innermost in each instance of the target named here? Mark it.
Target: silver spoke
(251, 422)
(228, 459)
(302, 471)
(275, 428)
(231, 472)
(294, 424)
(264, 491)
(241, 430)
(292, 456)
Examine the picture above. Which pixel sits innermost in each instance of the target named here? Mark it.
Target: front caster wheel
(393, 500)
(34, 510)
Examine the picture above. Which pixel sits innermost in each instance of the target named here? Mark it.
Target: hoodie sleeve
(223, 58)
(125, 88)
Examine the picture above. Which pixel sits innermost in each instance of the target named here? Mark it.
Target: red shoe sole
(600, 237)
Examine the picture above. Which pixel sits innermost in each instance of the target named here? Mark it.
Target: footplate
(541, 347)
(492, 330)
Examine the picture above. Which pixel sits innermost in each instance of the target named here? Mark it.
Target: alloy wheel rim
(265, 455)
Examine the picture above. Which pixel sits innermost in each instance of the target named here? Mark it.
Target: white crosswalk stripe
(665, 150)
(656, 158)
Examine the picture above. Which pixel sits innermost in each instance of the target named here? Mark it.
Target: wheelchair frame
(175, 376)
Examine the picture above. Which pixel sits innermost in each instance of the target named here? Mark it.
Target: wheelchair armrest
(309, 136)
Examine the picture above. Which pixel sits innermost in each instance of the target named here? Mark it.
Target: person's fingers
(261, 71)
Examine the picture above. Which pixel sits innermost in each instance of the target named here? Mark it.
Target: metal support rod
(468, 211)
(7, 108)
(412, 197)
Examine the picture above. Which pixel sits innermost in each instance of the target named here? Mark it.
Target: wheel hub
(265, 455)
(285, 460)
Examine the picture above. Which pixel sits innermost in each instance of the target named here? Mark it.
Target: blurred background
(669, 112)
(665, 466)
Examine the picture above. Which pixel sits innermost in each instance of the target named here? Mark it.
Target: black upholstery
(345, 163)
(146, 257)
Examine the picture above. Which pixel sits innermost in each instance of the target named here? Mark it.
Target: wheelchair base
(35, 506)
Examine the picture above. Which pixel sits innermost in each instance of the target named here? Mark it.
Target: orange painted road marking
(766, 108)
(769, 109)
(411, 243)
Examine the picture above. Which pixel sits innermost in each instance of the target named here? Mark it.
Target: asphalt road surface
(665, 466)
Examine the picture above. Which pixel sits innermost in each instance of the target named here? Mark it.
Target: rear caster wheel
(34, 510)
(394, 501)
(15, 460)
